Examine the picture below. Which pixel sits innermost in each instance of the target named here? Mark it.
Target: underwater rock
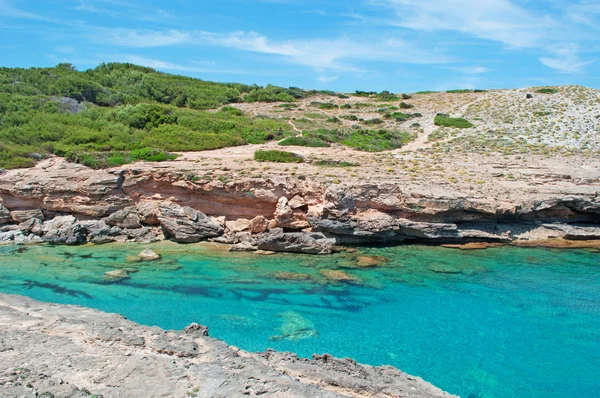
(148, 255)
(291, 276)
(444, 269)
(295, 327)
(265, 252)
(369, 261)
(473, 245)
(133, 259)
(116, 275)
(337, 275)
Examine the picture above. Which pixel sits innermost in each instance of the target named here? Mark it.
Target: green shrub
(335, 163)
(277, 156)
(233, 111)
(373, 121)
(404, 105)
(303, 141)
(456, 122)
(547, 90)
(427, 92)
(459, 91)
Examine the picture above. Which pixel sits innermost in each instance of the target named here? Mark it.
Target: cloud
(320, 54)
(328, 79)
(497, 20)
(471, 70)
(6, 10)
(566, 59)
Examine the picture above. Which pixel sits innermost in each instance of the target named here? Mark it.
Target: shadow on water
(29, 284)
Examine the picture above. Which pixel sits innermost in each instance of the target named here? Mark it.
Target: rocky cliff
(50, 350)
(281, 210)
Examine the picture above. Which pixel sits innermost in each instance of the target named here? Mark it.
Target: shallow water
(504, 322)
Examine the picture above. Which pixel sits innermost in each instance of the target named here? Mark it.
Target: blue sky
(396, 45)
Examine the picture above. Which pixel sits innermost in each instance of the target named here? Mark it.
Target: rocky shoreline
(63, 203)
(68, 351)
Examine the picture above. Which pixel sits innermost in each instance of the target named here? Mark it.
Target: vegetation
(457, 122)
(277, 156)
(102, 116)
(304, 141)
(363, 139)
(547, 90)
(426, 92)
(335, 163)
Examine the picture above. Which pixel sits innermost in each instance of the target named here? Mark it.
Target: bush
(277, 156)
(456, 122)
(404, 105)
(335, 163)
(303, 141)
(547, 90)
(230, 110)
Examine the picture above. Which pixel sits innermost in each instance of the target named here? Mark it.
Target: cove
(504, 322)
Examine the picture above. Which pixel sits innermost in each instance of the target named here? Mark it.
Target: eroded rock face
(186, 225)
(67, 344)
(4, 215)
(24, 215)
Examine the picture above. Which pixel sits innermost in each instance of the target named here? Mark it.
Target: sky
(370, 45)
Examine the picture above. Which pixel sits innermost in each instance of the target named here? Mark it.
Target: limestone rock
(24, 215)
(64, 230)
(239, 225)
(296, 242)
(33, 225)
(98, 231)
(186, 225)
(116, 275)
(242, 247)
(149, 212)
(290, 218)
(4, 215)
(258, 225)
(148, 255)
(127, 218)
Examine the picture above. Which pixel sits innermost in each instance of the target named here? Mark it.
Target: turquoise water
(504, 322)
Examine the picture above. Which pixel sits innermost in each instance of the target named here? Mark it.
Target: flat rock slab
(68, 351)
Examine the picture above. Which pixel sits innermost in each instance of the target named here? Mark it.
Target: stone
(23, 215)
(4, 215)
(98, 231)
(186, 225)
(64, 230)
(258, 225)
(338, 275)
(127, 218)
(195, 329)
(242, 247)
(116, 275)
(133, 259)
(148, 255)
(291, 276)
(239, 225)
(33, 225)
(289, 218)
(369, 261)
(296, 242)
(297, 202)
(148, 212)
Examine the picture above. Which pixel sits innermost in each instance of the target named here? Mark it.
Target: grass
(277, 156)
(456, 122)
(427, 92)
(304, 141)
(364, 139)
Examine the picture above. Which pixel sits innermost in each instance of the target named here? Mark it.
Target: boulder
(33, 225)
(148, 255)
(239, 225)
(296, 242)
(127, 218)
(23, 215)
(196, 330)
(4, 215)
(116, 275)
(186, 225)
(258, 225)
(148, 212)
(288, 217)
(98, 231)
(242, 247)
(64, 230)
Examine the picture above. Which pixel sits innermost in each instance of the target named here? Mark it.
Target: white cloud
(7, 10)
(497, 20)
(320, 54)
(328, 79)
(566, 59)
(471, 70)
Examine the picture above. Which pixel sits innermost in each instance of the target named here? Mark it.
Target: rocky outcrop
(67, 351)
(64, 230)
(186, 225)
(155, 204)
(308, 243)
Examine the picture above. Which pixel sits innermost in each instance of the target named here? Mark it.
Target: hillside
(119, 113)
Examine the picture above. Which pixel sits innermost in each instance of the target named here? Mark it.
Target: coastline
(74, 351)
(280, 211)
